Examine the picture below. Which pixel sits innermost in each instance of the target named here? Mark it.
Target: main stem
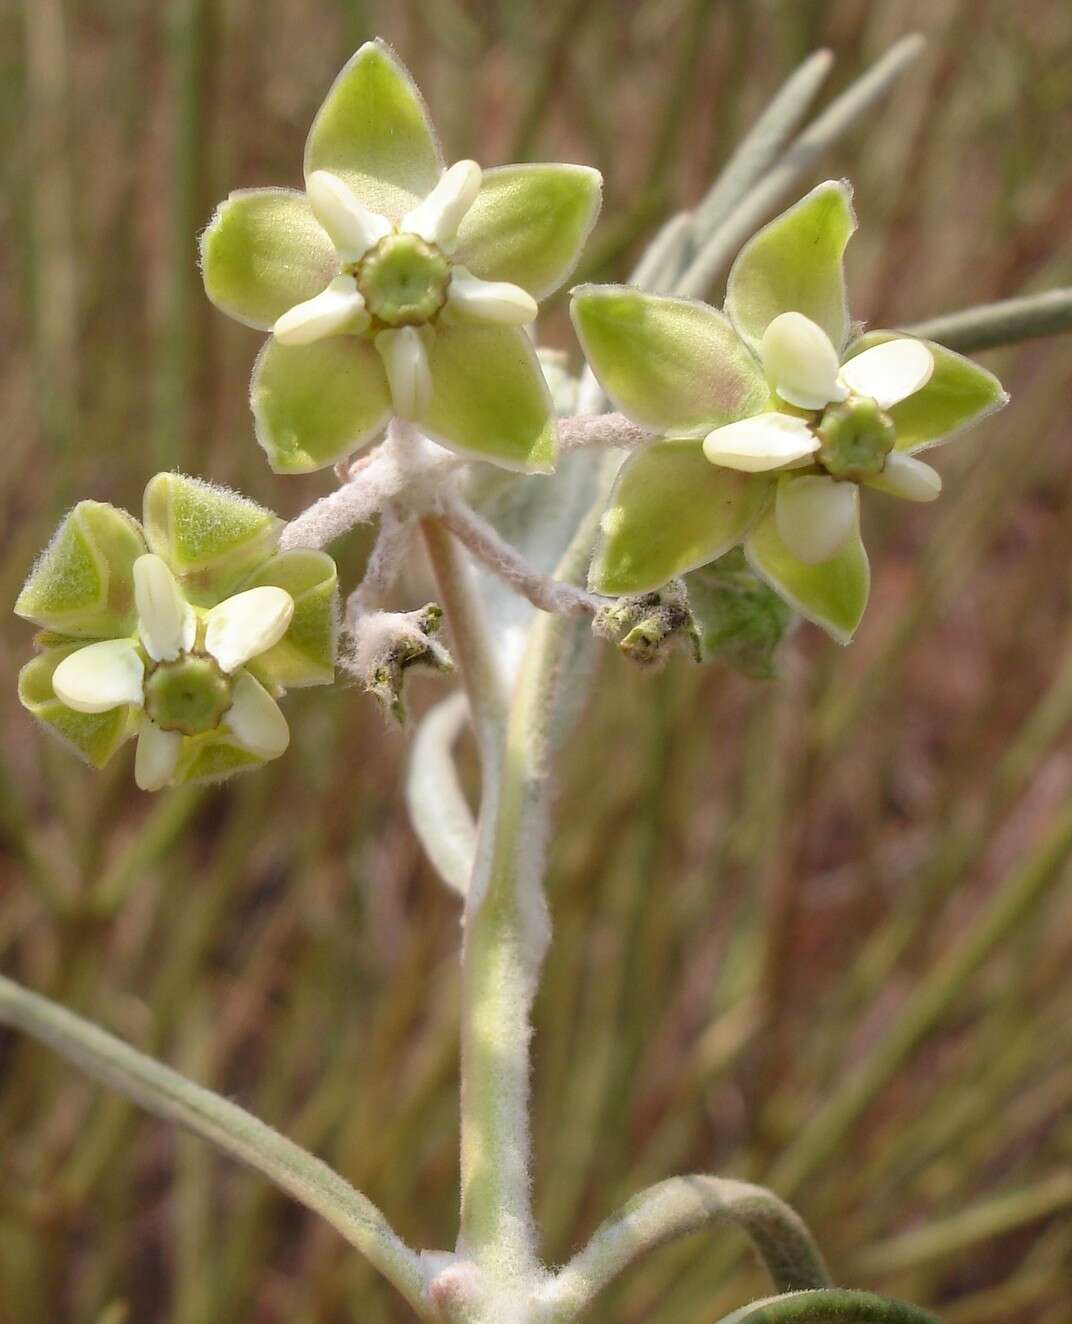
(505, 938)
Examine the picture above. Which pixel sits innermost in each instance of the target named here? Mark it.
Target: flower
(770, 417)
(394, 286)
(183, 632)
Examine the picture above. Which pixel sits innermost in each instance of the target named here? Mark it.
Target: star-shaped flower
(183, 633)
(394, 286)
(773, 414)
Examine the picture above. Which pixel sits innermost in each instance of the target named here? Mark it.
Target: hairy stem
(990, 325)
(505, 937)
(504, 560)
(244, 1137)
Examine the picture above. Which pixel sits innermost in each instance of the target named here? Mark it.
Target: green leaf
(490, 399)
(262, 253)
(830, 1305)
(82, 585)
(670, 512)
(672, 365)
(958, 394)
(740, 620)
(210, 536)
(315, 404)
(212, 757)
(796, 264)
(95, 737)
(833, 594)
(529, 224)
(373, 132)
(306, 653)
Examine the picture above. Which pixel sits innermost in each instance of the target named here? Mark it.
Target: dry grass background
(815, 932)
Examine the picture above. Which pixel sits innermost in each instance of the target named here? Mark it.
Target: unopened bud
(649, 627)
(386, 645)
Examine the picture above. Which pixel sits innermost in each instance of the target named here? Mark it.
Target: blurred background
(815, 932)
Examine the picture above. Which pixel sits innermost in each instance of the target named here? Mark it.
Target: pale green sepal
(489, 397)
(262, 253)
(833, 594)
(670, 512)
(212, 757)
(672, 365)
(306, 653)
(796, 264)
(529, 224)
(958, 394)
(373, 132)
(315, 404)
(82, 585)
(211, 537)
(739, 619)
(94, 737)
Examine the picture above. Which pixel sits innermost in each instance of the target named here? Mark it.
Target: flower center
(189, 695)
(403, 280)
(855, 439)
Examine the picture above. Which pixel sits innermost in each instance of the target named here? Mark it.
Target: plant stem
(505, 938)
(244, 1137)
(473, 646)
(990, 325)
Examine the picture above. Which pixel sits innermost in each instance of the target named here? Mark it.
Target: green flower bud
(388, 645)
(649, 627)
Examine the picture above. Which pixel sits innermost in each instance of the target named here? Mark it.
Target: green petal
(796, 264)
(211, 758)
(210, 536)
(93, 736)
(672, 365)
(833, 594)
(373, 132)
(958, 394)
(315, 404)
(489, 397)
(306, 653)
(529, 224)
(263, 252)
(671, 511)
(82, 585)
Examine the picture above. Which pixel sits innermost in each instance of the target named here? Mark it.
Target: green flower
(183, 631)
(393, 286)
(772, 415)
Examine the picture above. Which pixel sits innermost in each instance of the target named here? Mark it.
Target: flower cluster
(395, 287)
(183, 631)
(771, 414)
